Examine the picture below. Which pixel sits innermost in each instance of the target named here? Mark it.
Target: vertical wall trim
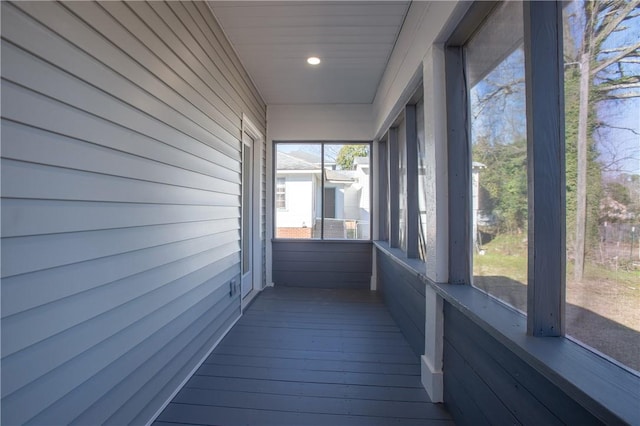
(459, 160)
(383, 191)
(413, 217)
(394, 195)
(373, 180)
(374, 268)
(431, 361)
(322, 200)
(375, 193)
(546, 171)
(435, 131)
(270, 164)
(249, 128)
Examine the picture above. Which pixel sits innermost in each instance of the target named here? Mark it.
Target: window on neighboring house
(325, 188)
(281, 193)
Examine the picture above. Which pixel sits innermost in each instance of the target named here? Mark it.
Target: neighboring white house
(298, 198)
(297, 180)
(475, 191)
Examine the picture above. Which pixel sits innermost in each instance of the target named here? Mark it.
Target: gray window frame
(383, 200)
(544, 79)
(322, 145)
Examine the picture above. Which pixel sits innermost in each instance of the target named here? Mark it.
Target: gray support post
(413, 209)
(383, 192)
(322, 200)
(459, 162)
(546, 166)
(394, 195)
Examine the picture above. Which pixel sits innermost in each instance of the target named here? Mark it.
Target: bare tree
(603, 76)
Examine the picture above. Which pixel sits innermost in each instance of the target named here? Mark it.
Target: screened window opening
(602, 146)
(496, 84)
(327, 191)
(402, 186)
(422, 180)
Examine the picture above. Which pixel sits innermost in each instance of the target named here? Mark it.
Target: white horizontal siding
(121, 175)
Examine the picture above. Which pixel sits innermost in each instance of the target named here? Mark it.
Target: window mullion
(459, 157)
(322, 200)
(412, 182)
(546, 167)
(383, 204)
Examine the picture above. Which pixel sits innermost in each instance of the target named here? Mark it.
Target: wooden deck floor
(309, 357)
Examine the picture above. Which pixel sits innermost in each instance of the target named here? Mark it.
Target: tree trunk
(582, 149)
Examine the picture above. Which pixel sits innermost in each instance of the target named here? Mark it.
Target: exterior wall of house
(403, 292)
(311, 123)
(121, 127)
(299, 199)
(486, 383)
(320, 123)
(322, 264)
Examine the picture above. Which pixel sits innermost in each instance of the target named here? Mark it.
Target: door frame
(251, 130)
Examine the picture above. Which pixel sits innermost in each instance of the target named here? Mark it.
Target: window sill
(416, 267)
(318, 240)
(606, 389)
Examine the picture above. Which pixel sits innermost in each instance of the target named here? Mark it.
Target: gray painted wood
(543, 26)
(403, 293)
(121, 194)
(459, 170)
(335, 383)
(383, 200)
(480, 374)
(413, 210)
(603, 388)
(322, 264)
(394, 185)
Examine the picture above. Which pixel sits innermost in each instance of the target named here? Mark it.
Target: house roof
(289, 161)
(339, 175)
(361, 161)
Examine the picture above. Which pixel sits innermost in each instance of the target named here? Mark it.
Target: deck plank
(307, 357)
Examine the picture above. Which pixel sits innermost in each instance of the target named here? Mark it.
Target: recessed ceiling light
(313, 60)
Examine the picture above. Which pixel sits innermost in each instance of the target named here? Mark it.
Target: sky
(619, 137)
(502, 119)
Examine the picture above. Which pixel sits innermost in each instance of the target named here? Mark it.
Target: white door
(248, 214)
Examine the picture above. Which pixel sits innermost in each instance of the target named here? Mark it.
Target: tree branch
(619, 86)
(615, 59)
(634, 131)
(621, 96)
(604, 32)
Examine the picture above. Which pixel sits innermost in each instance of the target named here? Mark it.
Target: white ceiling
(274, 38)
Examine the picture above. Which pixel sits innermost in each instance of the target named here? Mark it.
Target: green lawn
(505, 255)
